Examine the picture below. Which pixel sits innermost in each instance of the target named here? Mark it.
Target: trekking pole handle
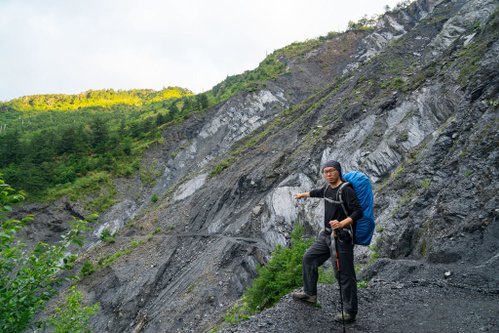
(336, 250)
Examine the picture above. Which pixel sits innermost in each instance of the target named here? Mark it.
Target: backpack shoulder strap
(340, 190)
(340, 196)
(329, 199)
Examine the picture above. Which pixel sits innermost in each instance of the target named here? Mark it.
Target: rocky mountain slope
(412, 102)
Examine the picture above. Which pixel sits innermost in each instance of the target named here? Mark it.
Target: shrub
(71, 315)
(87, 269)
(222, 166)
(282, 274)
(29, 277)
(107, 236)
(238, 312)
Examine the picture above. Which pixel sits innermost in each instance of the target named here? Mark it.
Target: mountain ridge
(94, 98)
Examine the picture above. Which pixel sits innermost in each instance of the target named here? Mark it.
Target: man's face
(331, 175)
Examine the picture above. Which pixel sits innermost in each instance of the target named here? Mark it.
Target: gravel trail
(419, 306)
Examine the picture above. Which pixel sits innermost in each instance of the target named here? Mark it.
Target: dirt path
(387, 307)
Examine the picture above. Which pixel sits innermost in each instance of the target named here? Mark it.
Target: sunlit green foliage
(58, 145)
(96, 98)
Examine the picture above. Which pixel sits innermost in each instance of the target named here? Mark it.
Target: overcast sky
(69, 46)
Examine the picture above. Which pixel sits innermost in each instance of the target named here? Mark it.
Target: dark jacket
(335, 211)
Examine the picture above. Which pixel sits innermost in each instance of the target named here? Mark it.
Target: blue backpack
(364, 227)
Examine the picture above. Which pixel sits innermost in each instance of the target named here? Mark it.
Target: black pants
(322, 250)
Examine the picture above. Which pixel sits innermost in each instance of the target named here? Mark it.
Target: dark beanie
(334, 164)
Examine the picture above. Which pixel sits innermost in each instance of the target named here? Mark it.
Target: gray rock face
(233, 121)
(412, 103)
(472, 13)
(189, 188)
(51, 220)
(283, 210)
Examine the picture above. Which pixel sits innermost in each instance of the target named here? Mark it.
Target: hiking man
(341, 227)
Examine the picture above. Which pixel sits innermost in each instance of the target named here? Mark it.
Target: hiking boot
(304, 297)
(348, 317)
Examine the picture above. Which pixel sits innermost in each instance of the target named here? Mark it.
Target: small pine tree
(282, 274)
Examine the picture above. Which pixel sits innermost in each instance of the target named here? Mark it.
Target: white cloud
(58, 46)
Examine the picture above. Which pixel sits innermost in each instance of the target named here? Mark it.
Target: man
(341, 227)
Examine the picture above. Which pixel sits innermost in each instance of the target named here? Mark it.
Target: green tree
(72, 140)
(161, 118)
(29, 176)
(10, 148)
(202, 101)
(127, 146)
(100, 134)
(174, 110)
(187, 103)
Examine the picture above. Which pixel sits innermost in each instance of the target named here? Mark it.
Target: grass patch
(425, 184)
(326, 275)
(374, 253)
(111, 258)
(150, 172)
(469, 57)
(222, 166)
(362, 284)
(96, 191)
(398, 172)
(239, 312)
(424, 248)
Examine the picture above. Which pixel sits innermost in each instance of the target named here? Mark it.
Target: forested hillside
(53, 145)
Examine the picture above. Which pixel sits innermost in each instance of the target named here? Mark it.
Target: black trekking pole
(339, 279)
